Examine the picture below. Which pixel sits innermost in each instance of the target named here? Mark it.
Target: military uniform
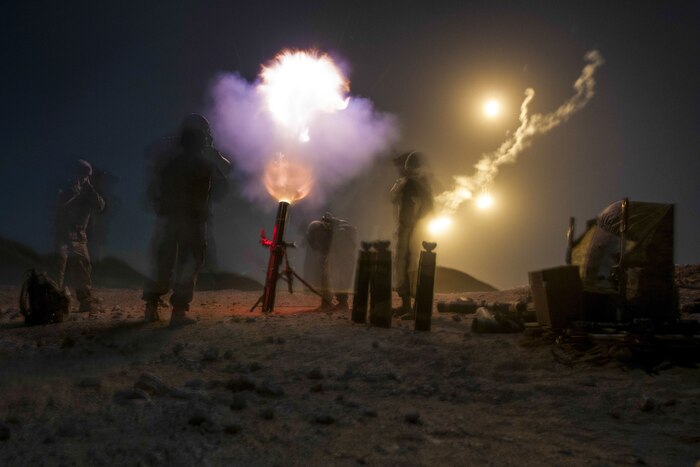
(75, 205)
(412, 199)
(184, 180)
(330, 259)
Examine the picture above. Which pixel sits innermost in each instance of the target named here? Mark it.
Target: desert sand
(298, 387)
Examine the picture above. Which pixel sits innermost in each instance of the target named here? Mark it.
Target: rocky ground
(298, 387)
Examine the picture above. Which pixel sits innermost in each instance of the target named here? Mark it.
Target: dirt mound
(16, 258)
(449, 280)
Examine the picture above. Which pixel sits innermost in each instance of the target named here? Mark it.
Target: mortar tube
(276, 255)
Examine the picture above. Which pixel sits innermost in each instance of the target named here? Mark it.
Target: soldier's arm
(219, 184)
(220, 161)
(97, 202)
(68, 195)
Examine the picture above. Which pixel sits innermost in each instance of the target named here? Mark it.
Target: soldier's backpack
(41, 301)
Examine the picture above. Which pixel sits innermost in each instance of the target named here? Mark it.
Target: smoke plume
(530, 125)
(336, 147)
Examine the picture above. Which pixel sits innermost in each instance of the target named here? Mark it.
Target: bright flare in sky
(492, 108)
(439, 225)
(484, 201)
(298, 85)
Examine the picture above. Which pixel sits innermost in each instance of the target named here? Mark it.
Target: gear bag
(41, 301)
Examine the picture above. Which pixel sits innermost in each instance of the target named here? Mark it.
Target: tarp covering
(648, 256)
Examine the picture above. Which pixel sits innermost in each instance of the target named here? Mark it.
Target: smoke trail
(530, 125)
(342, 144)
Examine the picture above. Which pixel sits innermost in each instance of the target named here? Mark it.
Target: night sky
(102, 80)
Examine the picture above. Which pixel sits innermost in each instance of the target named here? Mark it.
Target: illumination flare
(530, 125)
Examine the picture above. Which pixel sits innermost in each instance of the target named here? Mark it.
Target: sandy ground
(307, 388)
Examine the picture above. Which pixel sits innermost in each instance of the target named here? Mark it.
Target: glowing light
(439, 225)
(484, 201)
(287, 181)
(492, 108)
(298, 85)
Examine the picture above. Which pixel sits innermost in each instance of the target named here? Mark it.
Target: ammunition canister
(380, 313)
(458, 306)
(424, 287)
(362, 280)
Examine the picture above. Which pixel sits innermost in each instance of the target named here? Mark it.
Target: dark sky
(102, 80)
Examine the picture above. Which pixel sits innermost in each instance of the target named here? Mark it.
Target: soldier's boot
(179, 318)
(342, 302)
(405, 309)
(151, 313)
(326, 305)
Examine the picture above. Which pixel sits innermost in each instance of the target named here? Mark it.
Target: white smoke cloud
(530, 125)
(342, 144)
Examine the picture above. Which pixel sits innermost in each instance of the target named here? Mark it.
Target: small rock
(213, 384)
(195, 384)
(324, 419)
(270, 389)
(318, 387)
(249, 320)
(90, 382)
(413, 418)
(152, 384)
(267, 413)
(280, 340)
(228, 355)
(647, 404)
(456, 318)
(375, 344)
(315, 373)
(232, 428)
(241, 383)
(198, 419)
(211, 354)
(178, 348)
(125, 396)
(369, 413)
(14, 420)
(5, 432)
(621, 353)
(68, 342)
(254, 366)
(116, 308)
(239, 402)
(270, 340)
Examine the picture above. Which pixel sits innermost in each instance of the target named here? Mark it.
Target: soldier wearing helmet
(75, 205)
(187, 174)
(330, 260)
(413, 199)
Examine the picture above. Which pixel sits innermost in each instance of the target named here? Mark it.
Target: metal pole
(570, 239)
(622, 268)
